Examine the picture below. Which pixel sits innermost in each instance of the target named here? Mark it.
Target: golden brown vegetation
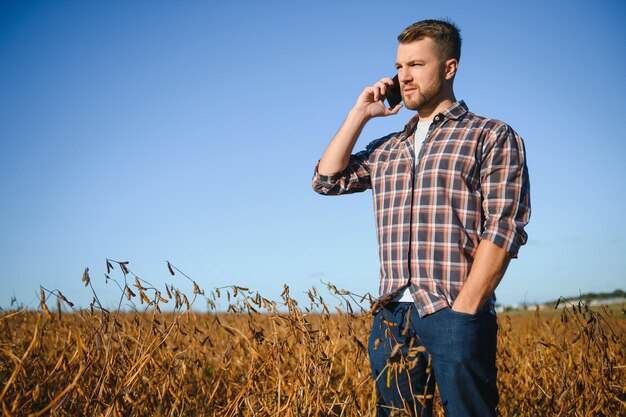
(272, 358)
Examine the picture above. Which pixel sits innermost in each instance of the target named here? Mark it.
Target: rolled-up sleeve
(506, 190)
(355, 178)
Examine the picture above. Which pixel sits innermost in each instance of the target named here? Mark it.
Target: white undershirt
(421, 130)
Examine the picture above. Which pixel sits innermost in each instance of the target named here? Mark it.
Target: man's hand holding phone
(371, 99)
(369, 104)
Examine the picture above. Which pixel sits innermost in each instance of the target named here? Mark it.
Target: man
(451, 199)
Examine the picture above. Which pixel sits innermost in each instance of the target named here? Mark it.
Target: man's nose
(404, 75)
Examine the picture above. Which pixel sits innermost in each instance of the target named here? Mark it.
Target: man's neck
(428, 113)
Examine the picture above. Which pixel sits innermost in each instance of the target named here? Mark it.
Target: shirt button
(437, 118)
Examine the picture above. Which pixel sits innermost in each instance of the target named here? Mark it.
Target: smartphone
(393, 95)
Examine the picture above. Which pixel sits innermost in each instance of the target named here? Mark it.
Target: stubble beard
(419, 101)
(424, 99)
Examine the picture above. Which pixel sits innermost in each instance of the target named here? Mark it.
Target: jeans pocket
(464, 316)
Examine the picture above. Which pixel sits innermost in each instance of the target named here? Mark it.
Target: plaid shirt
(470, 183)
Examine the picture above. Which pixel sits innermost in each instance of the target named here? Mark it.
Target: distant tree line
(590, 296)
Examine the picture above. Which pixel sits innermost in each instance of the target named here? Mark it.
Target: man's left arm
(506, 206)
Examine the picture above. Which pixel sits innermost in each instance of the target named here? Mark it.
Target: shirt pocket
(392, 173)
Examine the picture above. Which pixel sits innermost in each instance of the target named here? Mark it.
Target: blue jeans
(457, 351)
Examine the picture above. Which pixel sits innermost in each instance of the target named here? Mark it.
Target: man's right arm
(339, 172)
(336, 157)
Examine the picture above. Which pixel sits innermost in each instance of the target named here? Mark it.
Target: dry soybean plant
(157, 355)
(259, 357)
(572, 365)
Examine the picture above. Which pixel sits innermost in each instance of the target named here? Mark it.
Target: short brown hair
(444, 34)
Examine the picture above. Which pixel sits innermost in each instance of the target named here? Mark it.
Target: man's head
(445, 36)
(427, 60)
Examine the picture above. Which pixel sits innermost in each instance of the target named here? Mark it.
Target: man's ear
(450, 67)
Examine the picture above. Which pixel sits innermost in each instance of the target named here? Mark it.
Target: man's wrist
(466, 306)
(464, 310)
(359, 115)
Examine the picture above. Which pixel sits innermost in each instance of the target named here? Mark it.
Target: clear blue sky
(188, 131)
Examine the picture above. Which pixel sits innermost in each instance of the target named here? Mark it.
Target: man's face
(421, 72)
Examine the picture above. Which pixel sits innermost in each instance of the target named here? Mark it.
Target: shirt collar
(454, 112)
